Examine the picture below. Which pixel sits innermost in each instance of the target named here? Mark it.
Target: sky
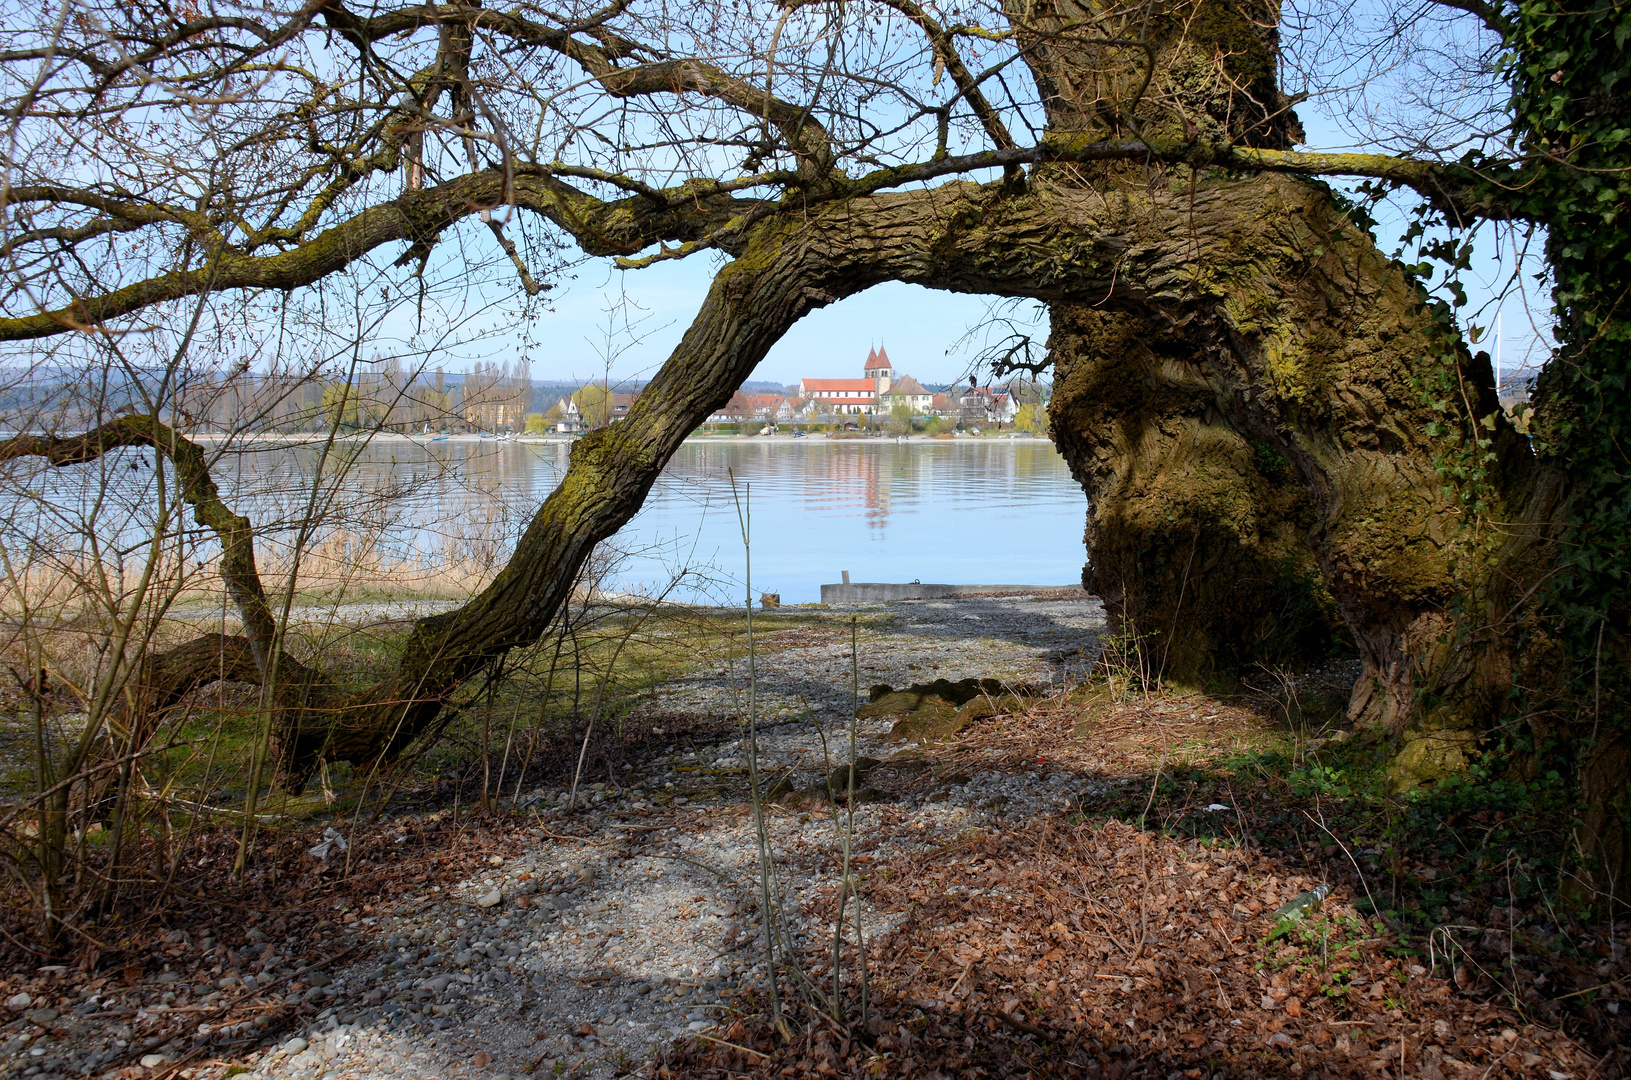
(924, 330)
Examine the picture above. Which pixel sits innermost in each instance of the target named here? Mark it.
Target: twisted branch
(198, 490)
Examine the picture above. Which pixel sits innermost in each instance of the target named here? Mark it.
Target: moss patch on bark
(1195, 529)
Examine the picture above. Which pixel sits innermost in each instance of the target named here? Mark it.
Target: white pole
(1497, 355)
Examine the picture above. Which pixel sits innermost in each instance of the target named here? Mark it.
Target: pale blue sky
(920, 327)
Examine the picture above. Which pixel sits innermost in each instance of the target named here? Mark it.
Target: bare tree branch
(621, 227)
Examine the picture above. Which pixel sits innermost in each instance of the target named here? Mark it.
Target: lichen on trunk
(1195, 532)
(1308, 411)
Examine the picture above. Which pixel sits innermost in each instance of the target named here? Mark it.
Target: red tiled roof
(820, 386)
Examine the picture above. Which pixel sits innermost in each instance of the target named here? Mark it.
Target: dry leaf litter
(1011, 929)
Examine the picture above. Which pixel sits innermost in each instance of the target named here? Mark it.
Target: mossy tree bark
(1267, 464)
(1196, 531)
(1301, 439)
(1196, 527)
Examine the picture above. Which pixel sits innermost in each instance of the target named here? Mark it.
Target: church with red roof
(855, 397)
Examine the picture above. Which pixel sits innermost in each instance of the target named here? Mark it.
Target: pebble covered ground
(1085, 882)
(629, 922)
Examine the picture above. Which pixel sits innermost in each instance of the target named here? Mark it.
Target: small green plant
(1127, 664)
(1316, 779)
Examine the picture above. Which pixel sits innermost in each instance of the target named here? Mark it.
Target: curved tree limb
(626, 226)
(165, 677)
(170, 674)
(616, 228)
(751, 304)
(959, 236)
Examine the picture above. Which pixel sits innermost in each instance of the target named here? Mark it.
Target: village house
(571, 421)
(571, 413)
(986, 404)
(734, 411)
(770, 407)
(909, 392)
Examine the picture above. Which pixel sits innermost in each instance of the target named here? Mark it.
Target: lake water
(948, 511)
(952, 512)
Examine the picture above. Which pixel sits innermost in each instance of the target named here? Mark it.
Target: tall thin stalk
(267, 704)
(45, 781)
(486, 755)
(97, 714)
(846, 833)
(767, 911)
(504, 766)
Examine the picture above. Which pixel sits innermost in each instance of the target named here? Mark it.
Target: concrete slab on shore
(877, 592)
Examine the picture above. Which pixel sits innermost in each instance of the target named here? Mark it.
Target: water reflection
(955, 512)
(961, 512)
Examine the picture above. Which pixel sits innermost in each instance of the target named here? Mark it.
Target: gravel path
(635, 922)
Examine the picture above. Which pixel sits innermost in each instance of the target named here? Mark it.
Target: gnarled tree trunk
(1301, 406)
(1197, 532)
(1275, 378)
(1310, 406)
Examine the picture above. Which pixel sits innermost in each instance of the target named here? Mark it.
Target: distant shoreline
(544, 440)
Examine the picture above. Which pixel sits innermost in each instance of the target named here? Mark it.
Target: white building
(571, 420)
(851, 397)
(909, 392)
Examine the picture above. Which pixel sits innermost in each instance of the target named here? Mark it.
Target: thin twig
(1020, 1025)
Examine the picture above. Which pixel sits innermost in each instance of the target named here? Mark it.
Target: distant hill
(545, 393)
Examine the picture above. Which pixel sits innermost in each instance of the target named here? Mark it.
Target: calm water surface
(960, 513)
(957, 512)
